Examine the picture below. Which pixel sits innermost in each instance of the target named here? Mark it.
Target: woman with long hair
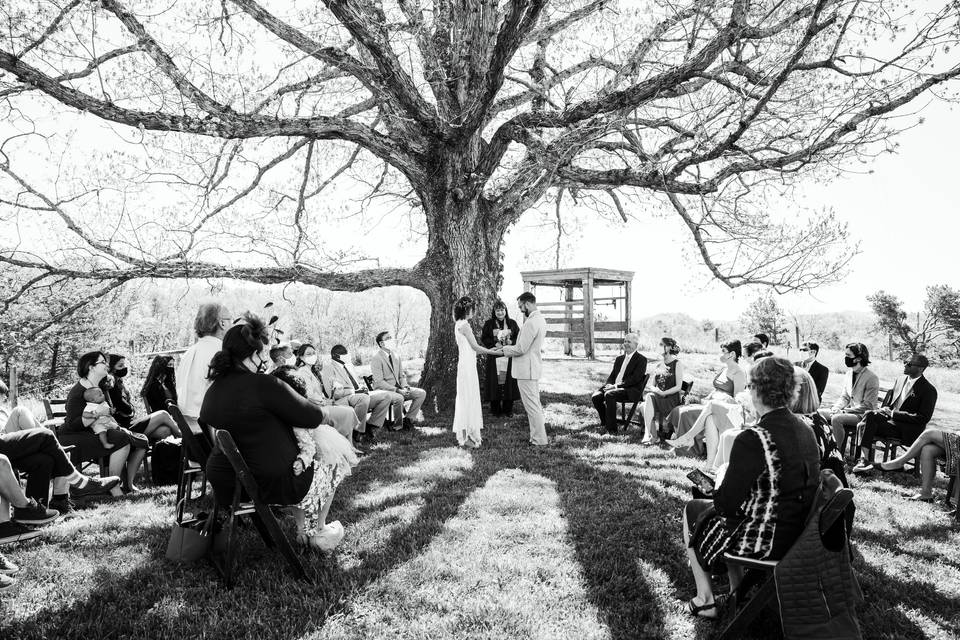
(499, 330)
(467, 411)
(160, 385)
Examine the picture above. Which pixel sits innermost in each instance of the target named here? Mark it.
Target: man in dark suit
(905, 411)
(819, 373)
(624, 384)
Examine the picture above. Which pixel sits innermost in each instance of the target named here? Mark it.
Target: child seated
(97, 415)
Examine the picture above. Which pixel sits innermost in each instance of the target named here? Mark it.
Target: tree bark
(463, 258)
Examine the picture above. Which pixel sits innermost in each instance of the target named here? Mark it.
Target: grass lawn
(577, 540)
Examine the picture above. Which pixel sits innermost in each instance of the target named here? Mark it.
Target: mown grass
(577, 540)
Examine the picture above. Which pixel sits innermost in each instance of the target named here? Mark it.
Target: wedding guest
(906, 410)
(728, 382)
(768, 489)
(624, 384)
(307, 370)
(282, 354)
(16, 418)
(763, 339)
(260, 412)
(156, 426)
(125, 460)
(819, 373)
(665, 394)
(160, 385)
(750, 350)
(861, 386)
(212, 321)
(388, 375)
(930, 446)
(499, 330)
(346, 388)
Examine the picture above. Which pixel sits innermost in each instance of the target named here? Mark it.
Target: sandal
(695, 610)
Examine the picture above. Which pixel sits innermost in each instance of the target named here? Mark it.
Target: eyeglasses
(751, 386)
(804, 349)
(99, 362)
(912, 364)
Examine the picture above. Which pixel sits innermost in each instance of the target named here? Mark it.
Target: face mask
(387, 344)
(723, 358)
(849, 362)
(292, 360)
(310, 360)
(120, 372)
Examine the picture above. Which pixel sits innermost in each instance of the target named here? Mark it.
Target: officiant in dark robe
(501, 388)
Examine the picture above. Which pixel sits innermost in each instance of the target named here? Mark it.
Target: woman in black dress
(160, 385)
(665, 394)
(260, 412)
(156, 426)
(759, 508)
(498, 331)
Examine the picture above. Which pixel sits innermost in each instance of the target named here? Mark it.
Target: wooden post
(627, 304)
(568, 316)
(716, 334)
(796, 329)
(13, 385)
(588, 342)
(527, 286)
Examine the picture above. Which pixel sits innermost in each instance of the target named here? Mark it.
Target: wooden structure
(573, 318)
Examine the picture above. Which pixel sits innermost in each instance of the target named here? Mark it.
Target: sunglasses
(804, 349)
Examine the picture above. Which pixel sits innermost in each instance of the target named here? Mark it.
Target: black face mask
(849, 362)
(119, 373)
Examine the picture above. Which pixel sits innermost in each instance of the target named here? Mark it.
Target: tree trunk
(463, 259)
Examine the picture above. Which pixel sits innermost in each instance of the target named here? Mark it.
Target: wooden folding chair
(762, 571)
(56, 410)
(258, 510)
(195, 449)
(626, 419)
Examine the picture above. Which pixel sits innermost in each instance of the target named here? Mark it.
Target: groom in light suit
(527, 365)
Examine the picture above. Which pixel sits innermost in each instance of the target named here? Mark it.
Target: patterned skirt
(711, 535)
(951, 444)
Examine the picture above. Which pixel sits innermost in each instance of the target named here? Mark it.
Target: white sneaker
(329, 538)
(6, 582)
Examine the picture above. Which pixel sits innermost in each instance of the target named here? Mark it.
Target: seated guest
(160, 385)
(819, 373)
(25, 511)
(665, 394)
(763, 339)
(750, 351)
(730, 381)
(388, 375)
(346, 388)
(931, 445)
(211, 323)
(259, 411)
(760, 508)
(14, 418)
(499, 330)
(97, 418)
(624, 384)
(156, 426)
(906, 410)
(343, 419)
(125, 459)
(861, 386)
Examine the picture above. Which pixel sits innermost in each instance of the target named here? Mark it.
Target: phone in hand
(704, 482)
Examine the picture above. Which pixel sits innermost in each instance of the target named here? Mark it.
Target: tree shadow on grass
(622, 506)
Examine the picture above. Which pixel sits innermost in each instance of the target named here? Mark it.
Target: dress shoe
(407, 424)
(864, 466)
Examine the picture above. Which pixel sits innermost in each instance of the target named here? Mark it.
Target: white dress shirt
(192, 383)
(623, 368)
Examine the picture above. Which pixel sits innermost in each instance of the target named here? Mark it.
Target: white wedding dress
(467, 412)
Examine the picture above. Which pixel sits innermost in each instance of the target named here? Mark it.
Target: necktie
(349, 375)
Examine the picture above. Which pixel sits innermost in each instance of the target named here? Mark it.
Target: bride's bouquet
(503, 336)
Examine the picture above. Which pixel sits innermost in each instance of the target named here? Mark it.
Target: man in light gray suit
(528, 365)
(389, 377)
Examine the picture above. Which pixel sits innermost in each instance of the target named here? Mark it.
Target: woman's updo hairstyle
(463, 307)
(239, 343)
(774, 382)
(671, 344)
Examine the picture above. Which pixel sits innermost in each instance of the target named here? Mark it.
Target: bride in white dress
(467, 412)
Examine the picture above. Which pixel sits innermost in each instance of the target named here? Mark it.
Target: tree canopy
(182, 139)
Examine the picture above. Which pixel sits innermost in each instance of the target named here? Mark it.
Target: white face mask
(292, 360)
(310, 360)
(388, 345)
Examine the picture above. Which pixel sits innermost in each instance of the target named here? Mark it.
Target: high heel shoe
(878, 466)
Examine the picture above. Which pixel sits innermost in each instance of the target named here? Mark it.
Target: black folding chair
(626, 418)
(259, 511)
(830, 504)
(195, 449)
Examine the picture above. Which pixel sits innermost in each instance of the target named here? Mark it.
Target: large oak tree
(470, 111)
